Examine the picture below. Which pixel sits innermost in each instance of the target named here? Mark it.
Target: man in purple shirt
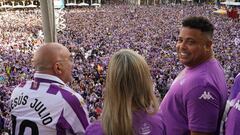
(232, 121)
(195, 102)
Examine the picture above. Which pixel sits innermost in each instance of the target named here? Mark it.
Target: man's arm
(235, 89)
(73, 114)
(203, 106)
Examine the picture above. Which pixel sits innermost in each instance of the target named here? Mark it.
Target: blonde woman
(130, 105)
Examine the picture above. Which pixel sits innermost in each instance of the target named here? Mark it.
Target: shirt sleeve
(233, 123)
(73, 117)
(203, 105)
(236, 88)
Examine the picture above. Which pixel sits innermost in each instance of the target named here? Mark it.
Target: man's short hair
(200, 23)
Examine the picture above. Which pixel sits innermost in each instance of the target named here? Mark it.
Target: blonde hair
(129, 88)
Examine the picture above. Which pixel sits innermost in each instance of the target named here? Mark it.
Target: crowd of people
(17, 42)
(93, 36)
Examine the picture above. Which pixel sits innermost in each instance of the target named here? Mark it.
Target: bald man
(46, 105)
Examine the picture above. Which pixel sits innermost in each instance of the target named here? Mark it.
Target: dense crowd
(17, 41)
(93, 35)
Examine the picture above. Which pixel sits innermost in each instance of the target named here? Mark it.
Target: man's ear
(57, 68)
(208, 45)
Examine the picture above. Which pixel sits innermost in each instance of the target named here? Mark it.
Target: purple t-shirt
(143, 124)
(232, 126)
(235, 88)
(196, 100)
(231, 101)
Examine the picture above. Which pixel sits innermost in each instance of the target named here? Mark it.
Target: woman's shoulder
(94, 129)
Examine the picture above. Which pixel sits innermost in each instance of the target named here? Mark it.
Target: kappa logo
(237, 105)
(206, 96)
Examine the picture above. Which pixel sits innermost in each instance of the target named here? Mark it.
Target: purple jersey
(143, 124)
(196, 100)
(47, 106)
(235, 88)
(233, 109)
(232, 126)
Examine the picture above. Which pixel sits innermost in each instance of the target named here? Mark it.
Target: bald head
(54, 59)
(47, 55)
